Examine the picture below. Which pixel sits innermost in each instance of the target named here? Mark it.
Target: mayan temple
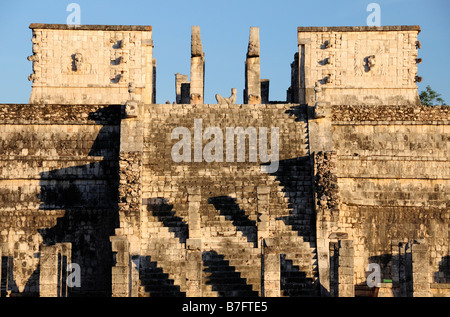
(104, 192)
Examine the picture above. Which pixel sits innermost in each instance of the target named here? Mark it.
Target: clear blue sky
(224, 29)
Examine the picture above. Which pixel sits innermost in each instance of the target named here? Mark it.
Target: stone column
(65, 250)
(194, 200)
(121, 269)
(197, 87)
(194, 267)
(150, 70)
(48, 272)
(252, 92)
(134, 275)
(305, 92)
(420, 270)
(194, 263)
(341, 279)
(346, 269)
(263, 195)
(54, 261)
(271, 269)
(333, 277)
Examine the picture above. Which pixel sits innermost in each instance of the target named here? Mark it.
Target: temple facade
(341, 190)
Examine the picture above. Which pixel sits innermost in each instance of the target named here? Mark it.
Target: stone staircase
(294, 281)
(231, 253)
(238, 253)
(297, 233)
(154, 282)
(222, 279)
(162, 273)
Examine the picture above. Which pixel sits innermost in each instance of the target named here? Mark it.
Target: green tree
(429, 97)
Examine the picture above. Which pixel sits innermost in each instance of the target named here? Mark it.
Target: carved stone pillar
(194, 199)
(271, 269)
(54, 261)
(121, 269)
(194, 267)
(420, 270)
(252, 92)
(346, 269)
(263, 194)
(341, 268)
(197, 88)
(194, 245)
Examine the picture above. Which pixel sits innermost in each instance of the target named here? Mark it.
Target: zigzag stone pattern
(233, 209)
(162, 200)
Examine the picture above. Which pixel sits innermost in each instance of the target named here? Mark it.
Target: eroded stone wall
(393, 177)
(357, 65)
(91, 64)
(88, 175)
(361, 176)
(222, 210)
(58, 183)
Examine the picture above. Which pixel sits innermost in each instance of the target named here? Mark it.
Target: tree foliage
(429, 97)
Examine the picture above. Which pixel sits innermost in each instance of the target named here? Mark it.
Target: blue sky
(224, 29)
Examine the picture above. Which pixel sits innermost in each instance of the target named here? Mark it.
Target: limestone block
(131, 109)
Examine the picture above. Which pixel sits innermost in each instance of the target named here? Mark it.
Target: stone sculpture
(229, 101)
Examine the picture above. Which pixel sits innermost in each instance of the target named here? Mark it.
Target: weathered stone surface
(337, 58)
(357, 183)
(91, 64)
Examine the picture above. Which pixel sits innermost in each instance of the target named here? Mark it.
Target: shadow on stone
(224, 278)
(294, 282)
(155, 282)
(295, 177)
(443, 275)
(390, 265)
(228, 208)
(88, 195)
(165, 214)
